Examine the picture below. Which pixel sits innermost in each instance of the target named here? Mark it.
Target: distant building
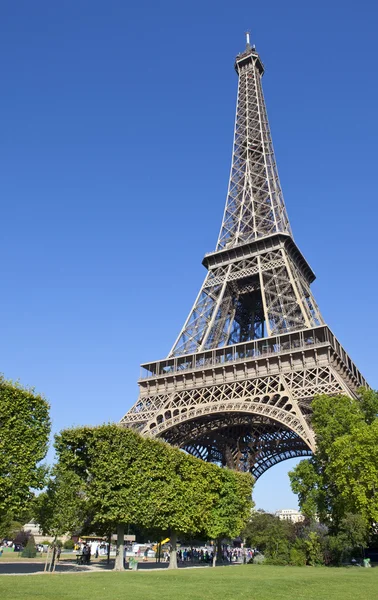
(35, 530)
(289, 514)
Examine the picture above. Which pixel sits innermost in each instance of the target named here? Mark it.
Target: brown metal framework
(237, 385)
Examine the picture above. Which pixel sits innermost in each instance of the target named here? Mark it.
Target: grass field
(10, 556)
(227, 583)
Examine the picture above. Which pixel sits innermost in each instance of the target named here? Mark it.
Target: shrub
(22, 537)
(314, 549)
(30, 550)
(258, 559)
(297, 557)
(68, 545)
(59, 543)
(276, 560)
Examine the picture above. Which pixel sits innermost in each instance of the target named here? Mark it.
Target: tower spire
(255, 206)
(247, 37)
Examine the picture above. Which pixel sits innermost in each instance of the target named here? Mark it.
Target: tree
(342, 475)
(24, 435)
(353, 531)
(30, 550)
(9, 528)
(231, 505)
(62, 507)
(314, 549)
(270, 535)
(125, 478)
(354, 469)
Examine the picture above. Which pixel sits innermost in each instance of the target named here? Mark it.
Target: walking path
(37, 568)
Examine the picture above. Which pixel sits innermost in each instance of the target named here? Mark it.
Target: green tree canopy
(342, 475)
(270, 535)
(120, 477)
(24, 435)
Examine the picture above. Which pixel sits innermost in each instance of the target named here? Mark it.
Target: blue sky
(115, 146)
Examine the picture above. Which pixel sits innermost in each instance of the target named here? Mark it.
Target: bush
(22, 537)
(313, 549)
(258, 559)
(276, 560)
(59, 543)
(297, 557)
(68, 545)
(30, 550)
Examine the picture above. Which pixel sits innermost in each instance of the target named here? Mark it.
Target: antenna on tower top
(247, 37)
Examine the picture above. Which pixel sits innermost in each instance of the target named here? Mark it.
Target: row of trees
(306, 543)
(107, 477)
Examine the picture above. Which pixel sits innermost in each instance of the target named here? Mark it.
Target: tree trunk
(215, 552)
(52, 564)
(173, 553)
(219, 551)
(109, 542)
(119, 561)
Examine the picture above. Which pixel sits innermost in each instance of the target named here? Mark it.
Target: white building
(289, 514)
(35, 530)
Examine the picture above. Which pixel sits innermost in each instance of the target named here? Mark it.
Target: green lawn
(10, 556)
(223, 583)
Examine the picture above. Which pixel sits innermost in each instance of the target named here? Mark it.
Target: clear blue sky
(115, 145)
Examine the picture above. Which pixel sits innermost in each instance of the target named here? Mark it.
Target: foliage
(9, 528)
(353, 465)
(353, 530)
(258, 559)
(108, 476)
(342, 476)
(231, 503)
(24, 434)
(314, 549)
(297, 557)
(271, 536)
(30, 550)
(22, 537)
(350, 540)
(68, 545)
(61, 507)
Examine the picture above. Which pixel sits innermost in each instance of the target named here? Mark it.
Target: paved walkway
(35, 568)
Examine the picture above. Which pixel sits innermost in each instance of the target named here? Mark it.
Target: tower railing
(256, 349)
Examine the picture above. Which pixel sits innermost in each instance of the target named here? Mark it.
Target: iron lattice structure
(237, 385)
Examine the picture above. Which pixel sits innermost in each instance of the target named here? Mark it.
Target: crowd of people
(206, 555)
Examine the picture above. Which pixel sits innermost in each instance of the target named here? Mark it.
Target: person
(86, 554)
(58, 553)
(145, 554)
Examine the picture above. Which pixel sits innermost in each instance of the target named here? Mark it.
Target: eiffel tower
(237, 385)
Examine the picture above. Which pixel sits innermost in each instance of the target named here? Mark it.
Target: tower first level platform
(248, 405)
